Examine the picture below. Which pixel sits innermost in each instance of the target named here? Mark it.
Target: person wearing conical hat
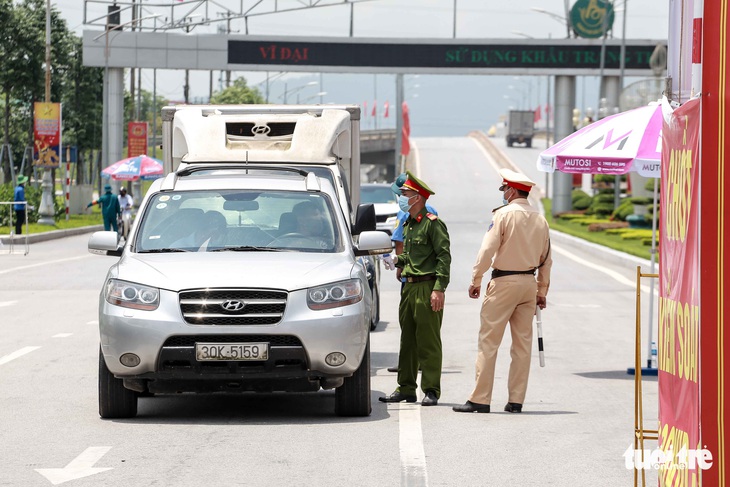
(517, 247)
(425, 263)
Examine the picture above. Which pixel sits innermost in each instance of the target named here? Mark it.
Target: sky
(448, 105)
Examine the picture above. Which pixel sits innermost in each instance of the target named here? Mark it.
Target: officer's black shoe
(430, 399)
(397, 396)
(513, 407)
(471, 407)
(393, 369)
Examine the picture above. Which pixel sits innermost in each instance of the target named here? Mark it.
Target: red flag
(375, 108)
(547, 110)
(405, 142)
(538, 114)
(385, 107)
(364, 109)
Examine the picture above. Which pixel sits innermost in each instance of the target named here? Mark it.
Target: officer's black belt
(430, 277)
(498, 273)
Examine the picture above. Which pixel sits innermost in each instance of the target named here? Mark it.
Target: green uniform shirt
(426, 249)
(109, 205)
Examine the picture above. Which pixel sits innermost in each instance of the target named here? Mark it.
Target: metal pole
(154, 114)
(46, 207)
(651, 288)
(399, 96)
(454, 19)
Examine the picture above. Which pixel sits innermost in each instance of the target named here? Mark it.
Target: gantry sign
(482, 55)
(444, 56)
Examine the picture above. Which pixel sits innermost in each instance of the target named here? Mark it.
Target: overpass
(377, 153)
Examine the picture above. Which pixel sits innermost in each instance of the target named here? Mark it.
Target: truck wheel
(510, 142)
(528, 143)
(352, 398)
(115, 401)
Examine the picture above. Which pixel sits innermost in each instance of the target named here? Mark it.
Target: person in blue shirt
(397, 236)
(19, 196)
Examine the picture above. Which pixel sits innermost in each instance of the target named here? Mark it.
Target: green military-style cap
(415, 184)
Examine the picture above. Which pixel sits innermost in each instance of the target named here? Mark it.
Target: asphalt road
(579, 410)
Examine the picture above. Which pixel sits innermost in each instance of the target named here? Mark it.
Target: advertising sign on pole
(136, 139)
(679, 297)
(47, 135)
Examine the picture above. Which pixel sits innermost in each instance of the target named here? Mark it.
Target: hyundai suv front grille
(232, 306)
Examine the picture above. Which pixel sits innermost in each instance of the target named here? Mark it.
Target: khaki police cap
(515, 180)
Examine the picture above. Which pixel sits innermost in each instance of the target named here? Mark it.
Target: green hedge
(33, 197)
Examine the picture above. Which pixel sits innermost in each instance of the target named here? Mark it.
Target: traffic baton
(540, 348)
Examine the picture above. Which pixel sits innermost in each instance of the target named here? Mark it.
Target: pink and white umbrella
(627, 141)
(134, 168)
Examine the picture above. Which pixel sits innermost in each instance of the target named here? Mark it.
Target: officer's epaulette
(499, 208)
(432, 217)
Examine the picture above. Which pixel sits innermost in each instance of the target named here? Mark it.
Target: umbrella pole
(651, 288)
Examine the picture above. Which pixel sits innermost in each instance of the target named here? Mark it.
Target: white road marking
(39, 264)
(615, 275)
(92, 322)
(62, 335)
(412, 454)
(18, 353)
(7, 303)
(79, 467)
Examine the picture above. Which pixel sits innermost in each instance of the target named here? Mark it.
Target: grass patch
(74, 221)
(576, 228)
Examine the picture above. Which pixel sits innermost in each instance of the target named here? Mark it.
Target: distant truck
(520, 127)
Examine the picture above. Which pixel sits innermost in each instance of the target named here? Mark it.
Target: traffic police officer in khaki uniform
(516, 246)
(425, 264)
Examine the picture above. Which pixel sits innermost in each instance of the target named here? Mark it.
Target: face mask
(505, 201)
(403, 203)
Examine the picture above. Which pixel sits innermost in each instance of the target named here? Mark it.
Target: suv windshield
(235, 220)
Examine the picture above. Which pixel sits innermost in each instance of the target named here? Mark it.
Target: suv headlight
(131, 295)
(334, 295)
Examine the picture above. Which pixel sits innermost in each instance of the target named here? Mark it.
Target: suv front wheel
(115, 401)
(352, 398)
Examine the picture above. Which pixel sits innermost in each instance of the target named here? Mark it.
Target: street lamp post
(288, 92)
(46, 207)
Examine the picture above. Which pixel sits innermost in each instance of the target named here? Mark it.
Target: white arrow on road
(81, 466)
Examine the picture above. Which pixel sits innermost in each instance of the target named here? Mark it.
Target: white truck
(243, 270)
(520, 127)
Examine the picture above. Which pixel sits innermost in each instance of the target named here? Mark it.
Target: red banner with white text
(678, 346)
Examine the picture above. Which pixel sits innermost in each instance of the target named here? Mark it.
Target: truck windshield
(235, 220)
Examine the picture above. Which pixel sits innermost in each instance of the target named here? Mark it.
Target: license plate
(231, 351)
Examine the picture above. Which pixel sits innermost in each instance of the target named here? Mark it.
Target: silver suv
(237, 280)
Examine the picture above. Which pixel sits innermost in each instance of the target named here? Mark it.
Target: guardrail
(13, 237)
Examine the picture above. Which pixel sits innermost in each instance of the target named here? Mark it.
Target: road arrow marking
(18, 353)
(79, 467)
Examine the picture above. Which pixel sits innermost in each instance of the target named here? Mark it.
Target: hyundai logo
(260, 129)
(232, 305)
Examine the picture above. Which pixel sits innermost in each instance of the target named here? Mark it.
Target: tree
(238, 93)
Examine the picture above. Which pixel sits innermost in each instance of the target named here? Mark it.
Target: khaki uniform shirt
(517, 240)
(426, 249)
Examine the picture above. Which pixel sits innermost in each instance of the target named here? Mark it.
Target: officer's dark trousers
(420, 340)
(19, 221)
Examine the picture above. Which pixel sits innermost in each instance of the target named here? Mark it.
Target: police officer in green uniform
(425, 264)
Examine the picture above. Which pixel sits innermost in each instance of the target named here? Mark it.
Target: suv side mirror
(365, 219)
(105, 243)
